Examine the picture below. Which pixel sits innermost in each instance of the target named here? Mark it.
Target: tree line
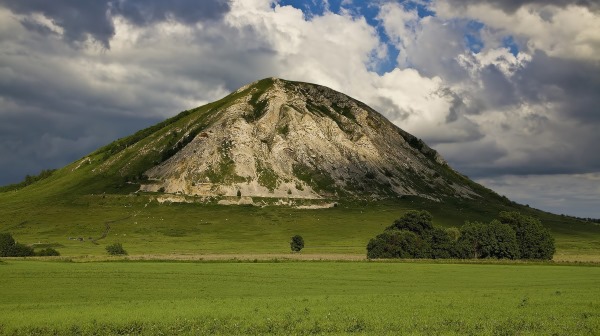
(510, 236)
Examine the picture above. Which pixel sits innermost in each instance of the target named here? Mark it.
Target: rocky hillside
(274, 138)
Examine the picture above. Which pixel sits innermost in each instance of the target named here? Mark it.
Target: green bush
(297, 243)
(47, 252)
(22, 250)
(10, 248)
(116, 249)
(6, 244)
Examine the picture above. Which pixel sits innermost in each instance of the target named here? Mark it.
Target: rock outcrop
(283, 139)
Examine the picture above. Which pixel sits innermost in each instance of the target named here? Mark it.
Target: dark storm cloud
(77, 18)
(94, 18)
(32, 141)
(511, 6)
(144, 12)
(58, 103)
(572, 84)
(566, 93)
(458, 105)
(499, 90)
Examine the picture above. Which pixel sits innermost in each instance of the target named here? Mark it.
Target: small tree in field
(297, 243)
(116, 249)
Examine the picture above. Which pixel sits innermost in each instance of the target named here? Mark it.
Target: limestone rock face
(283, 139)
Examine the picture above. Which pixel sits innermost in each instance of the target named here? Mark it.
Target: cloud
(566, 32)
(78, 20)
(529, 112)
(58, 103)
(144, 12)
(510, 6)
(562, 194)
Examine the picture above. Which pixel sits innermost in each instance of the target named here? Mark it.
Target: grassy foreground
(153, 298)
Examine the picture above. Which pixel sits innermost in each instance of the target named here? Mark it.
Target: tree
(397, 244)
(418, 222)
(116, 249)
(534, 240)
(441, 244)
(297, 243)
(493, 240)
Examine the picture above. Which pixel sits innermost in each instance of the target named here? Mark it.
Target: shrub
(47, 252)
(297, 243)
(534, 240)
(116, 249)
(6, 244)
(22, 250)
(10, 248)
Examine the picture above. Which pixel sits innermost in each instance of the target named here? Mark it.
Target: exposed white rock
(295, 140)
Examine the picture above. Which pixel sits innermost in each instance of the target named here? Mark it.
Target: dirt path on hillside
(107, 228)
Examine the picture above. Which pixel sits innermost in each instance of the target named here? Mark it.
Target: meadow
(145, 227)
(235, 276)
(156, 298)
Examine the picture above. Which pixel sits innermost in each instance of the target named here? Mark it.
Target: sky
(508, 91)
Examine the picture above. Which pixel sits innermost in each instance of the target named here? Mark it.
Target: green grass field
(154, 298)
(146, 227)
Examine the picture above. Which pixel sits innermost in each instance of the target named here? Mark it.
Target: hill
(273, 142)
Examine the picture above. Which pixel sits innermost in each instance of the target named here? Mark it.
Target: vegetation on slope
(29, 179)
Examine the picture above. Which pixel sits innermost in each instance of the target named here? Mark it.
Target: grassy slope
(146, 227)
(297, 298)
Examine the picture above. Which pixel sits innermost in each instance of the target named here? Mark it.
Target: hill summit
(278, 138)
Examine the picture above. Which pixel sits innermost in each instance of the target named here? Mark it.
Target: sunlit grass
(297, 298)
(146, 227)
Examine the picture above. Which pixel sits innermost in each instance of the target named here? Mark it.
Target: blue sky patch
(510, 43)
